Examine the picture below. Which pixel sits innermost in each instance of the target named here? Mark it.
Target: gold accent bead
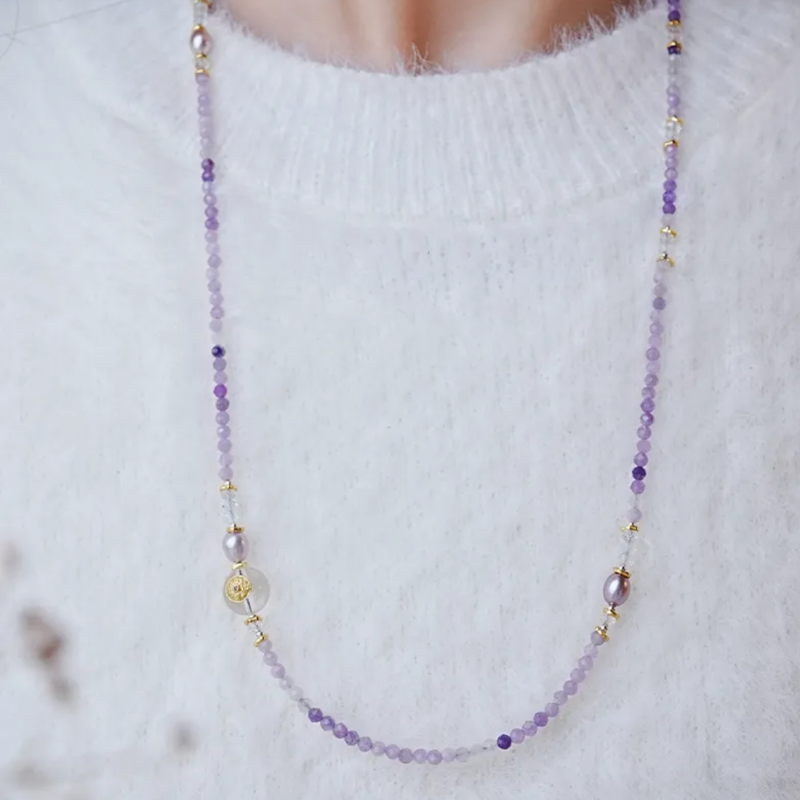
(201, 71)
(262, 637)
(669, 231)
(676, 120)
(610, 612)
(603, 631)
(671, 142)
(238, 565)
(251, 620)
(201, 55)
(630, 527)
(228, 487)
(199, 29)
(206, 3)
(676, 45)
(666, 257)
(674, 23)
(622, 571)
(235, 528)
(238, 588)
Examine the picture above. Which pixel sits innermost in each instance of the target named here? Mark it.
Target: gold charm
(238, 588)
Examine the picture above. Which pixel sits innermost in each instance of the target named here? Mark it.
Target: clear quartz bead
(202, 63)
(200, 13)
(246, 590)
(672, 129)
(230, 508)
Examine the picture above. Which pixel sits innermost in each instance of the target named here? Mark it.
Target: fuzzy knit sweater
(437, 293)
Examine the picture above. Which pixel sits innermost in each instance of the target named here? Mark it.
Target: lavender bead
(219, 364)
(517, 735)
(224, 445)
(669, 208)
(223, 404)
(217, 312)
(653, 354)
(223, 418)
(235, 546)
(278, 671)
(420, 756)
(392, 751)
(365, 744)
(560, 698)
(327, 723)
(315, 714)
(647, 405)
(540, 718)
(634, 515)
(405, 756)
(552, 709)
(529, 727)
(220, 377)
(223, 432)
(570, 687)
(339, 729)
(226, 474)
(644, 432)
(646, 419)
(220, 390)
(596, 638)
(616, 589)
(351, 738)
(462, 754)
(212, 211)
(577, 675)
(637, 487)
(659, 303)
(378, 748)
(214, 261)
(448, 755)
(585, 663)
(590, 651)
(434, 757)
(650, 381)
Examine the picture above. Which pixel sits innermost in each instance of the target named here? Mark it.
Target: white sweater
(437, 292)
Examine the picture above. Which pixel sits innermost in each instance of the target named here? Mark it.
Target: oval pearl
(253, 591)
(200, 41)
(616, 589)
(235, 546)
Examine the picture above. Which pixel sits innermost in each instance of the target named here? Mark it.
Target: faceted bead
(560, 698)
(378, 748)
(392, 751)
(552, 709)
(578, 675)
(420, 755)
(229, 507)
(616, 589)
(365, 744)
(327, 723)
(434, 757)
(529, 727)
(315, 714)
(448, 755)
(585, 663)
(504, 741)
(351, 738)
(517, 735)
(462, 754)
(540, 718)
(246, 591)
(570, 687)
(340, 730)
(405, 756)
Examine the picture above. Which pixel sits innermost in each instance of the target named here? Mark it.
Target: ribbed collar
(504, 143)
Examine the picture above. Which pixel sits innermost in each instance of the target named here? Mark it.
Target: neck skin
(420, 34)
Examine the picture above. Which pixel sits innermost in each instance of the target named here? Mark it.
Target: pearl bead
(200, 41)
(235, 546)
(616, 589)
(246, 591)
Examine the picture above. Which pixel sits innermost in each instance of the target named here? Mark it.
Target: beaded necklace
(246, 590)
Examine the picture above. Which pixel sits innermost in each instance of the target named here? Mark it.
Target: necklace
(246, 590)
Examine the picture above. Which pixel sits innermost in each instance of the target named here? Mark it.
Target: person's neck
(420, 34)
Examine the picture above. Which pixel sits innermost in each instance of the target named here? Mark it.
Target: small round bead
(315, 714)
(577, 675)
(225, 474)
(462, 754)
(220, 390)
(226, 459)
(477, 749)
(653, 354)
(529, 727)
(637, 487)
(646, 419)
(651, 380)
(235, 546)
(365, 744)
(634, 515)
(590, 651)
(659, 303)
(405, 756)
(643, 446)
(223, 404)
(378, 748)
(217, 312)
(224, 445)
(392, 751)
(340, 730)
(265, 646)
(517, 735)
(638, 473)
(570, 687)
(540, 718)
(420, 756)
(327, 723)
(585, 663)
(223, 418)
(434, 757)
(223, 432)
(552, 709)
(295, 693)
(647, 405)
(448, 755)
(351, 738)
(504, 741)
(596, 638)
(561, 698)
(653, 367)
(278, 671)
(218, 351)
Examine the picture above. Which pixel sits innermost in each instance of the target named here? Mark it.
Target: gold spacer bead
(676, 45)
(603, 631)
(235, 528)
(670, 232)
(671, 142)
(631, 527)
(674, 23)
(262, 637)
(251, 620)
(622, 571)
(199, 29)
(675, 119)
(666, 257)
(228, 487)
(206, 3)
(238, 565)
(201, 71)
(610, 612)
(201, 55)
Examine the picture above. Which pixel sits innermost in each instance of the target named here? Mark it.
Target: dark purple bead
(223, 404)
(639, 473)
(670, 186)
(315, 714)
(540, 719)
(220, 390)
(504, 741)
(674, 15)
(647, 405)
(674, 50)
(218, 351)
(646, 419)
(669, 197)
(212, 224)
(669, 208)
(207, 163)
(659, 303)
(208, 177)
(351, 738)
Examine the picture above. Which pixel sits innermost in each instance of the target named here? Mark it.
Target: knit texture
(437, 292)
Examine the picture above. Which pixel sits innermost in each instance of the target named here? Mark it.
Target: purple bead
(365, 744)
(671, 173)
(214, 286)
(657, 328)
(378, 748)
(504, 741)
(212, 211)
(644, 432)
(653, 367)
(214, 261)
(577, 675)
(226, 474)
(638, 473)
(220, 377)
(218, 351)
(351, 738)
(616, 589)
(226, 458)
(340, 730)
(212, 224)
(212, 236)
(647, 405)
(529, 727)
(207, 163)
(210, 199)
(223, 418)
(561, 698)
(585, 663)
(517, 736)
(649, 381)
(674, 50)
(669, 197)
(571, 687)
(645, 419)
(392, 751)
(420, 755)
(670, 185)
(540, 719)
(674, 15)
(315, 714)
(659, 290)
(669, 208)
(405, 756)
(634, 515)
(208, 176)
(596, 638)
(448, 755)
(552, 709)
(659, 303)
(590, 650)
(327, 723)
(643, 446)
(223, 432)
(224, 445)
(648, 392)
(219, 364)
(653, 354)
(637, 487)
(434, 757)
(278, 671)
(217, 312)
(223, 404)
(220, 390)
